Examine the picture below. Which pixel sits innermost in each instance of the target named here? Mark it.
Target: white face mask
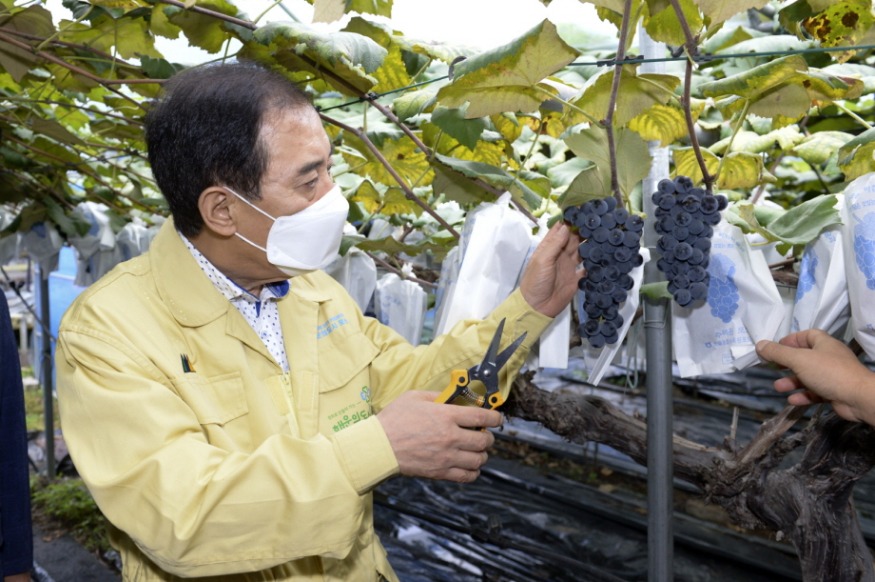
(307, 240)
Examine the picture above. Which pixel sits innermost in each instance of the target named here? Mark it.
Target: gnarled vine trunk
(809, 502)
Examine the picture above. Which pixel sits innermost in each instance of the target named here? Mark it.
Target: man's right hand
(435, 440)
(826, 370)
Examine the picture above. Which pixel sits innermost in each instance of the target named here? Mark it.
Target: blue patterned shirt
(261, 312)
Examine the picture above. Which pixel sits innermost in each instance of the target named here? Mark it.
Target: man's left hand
(550, 279)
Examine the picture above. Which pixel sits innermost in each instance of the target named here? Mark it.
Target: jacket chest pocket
(215, 401)
(344, 382)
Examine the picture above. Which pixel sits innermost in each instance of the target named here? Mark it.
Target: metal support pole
(46, 374)
(657, 329)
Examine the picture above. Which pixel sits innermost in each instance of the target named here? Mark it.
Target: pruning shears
(459, 390)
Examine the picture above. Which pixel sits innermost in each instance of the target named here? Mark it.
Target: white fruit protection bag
(598, 361)
(858, 238)
(401, 304)
(493, 247)
(743, 306)
(357, 272)
(822, 294)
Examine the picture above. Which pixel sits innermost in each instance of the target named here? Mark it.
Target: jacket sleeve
(401, 367)
(194, 508)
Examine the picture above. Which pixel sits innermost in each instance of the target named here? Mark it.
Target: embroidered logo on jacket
(354, 417)
(329, 326)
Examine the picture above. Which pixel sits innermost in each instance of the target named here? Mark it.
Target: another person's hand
(436, 440)
(550, 279)
(24, 577)
(826, 370)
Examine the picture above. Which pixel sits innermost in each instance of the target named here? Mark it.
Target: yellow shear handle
(458, 379)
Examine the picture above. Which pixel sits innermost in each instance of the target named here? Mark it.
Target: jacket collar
(188, 293)
(191, 297)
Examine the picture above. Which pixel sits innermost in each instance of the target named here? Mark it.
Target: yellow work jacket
(226, 466)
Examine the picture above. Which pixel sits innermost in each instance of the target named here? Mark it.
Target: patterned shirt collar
(228, 288)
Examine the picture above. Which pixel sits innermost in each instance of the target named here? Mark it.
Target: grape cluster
(610, 250)
(685, 219)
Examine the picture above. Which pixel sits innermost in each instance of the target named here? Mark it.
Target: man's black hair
(206, 130)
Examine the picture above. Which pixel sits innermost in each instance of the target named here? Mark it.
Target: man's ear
(215, 207)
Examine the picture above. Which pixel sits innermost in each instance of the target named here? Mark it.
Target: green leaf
(636, 94)
(392, 246)
(857, 157)
(664, 26)
(33, 20)
(493, 176)
(507, 79)
(129, 36)
(719, 11)
(803, 223)
(588, 185)
(158, 68)
(842, 23)
(53, 129)
(752, 83)
(454, 186)
(454, 122)
(686, 164)
(663, 123)
(748, 141)
(349, 57)
(741, 170)
(743, 215)
(414, 102)
(202, 30)
(392, 73)
(655, 291)
(821, 146)
(633, 160)
(563, 174)
(331, 10)
(864, 73)
(783, 90)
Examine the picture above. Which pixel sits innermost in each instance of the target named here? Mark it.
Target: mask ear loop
(257, 209)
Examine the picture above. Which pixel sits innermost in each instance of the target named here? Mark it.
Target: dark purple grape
(698, 291)
(601, 206)
(665, 186)
(684, 219)
(570, 214)
(616, 237)
(683, 297)
(683, 251)
(610, 250)
(634, 223)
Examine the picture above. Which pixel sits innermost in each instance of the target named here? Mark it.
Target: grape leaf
(506, 79)
(637, 93)
(350, 58)
(857, 157)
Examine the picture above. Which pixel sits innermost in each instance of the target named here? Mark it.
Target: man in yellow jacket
(226, 402)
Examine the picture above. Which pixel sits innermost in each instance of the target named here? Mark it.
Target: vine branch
(608, 122)
(692, 50)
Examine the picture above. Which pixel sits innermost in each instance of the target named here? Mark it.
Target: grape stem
(692, 50)
(608, 122)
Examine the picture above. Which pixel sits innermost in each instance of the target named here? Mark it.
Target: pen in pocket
(186, 364)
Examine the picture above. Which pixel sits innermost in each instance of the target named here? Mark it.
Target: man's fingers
(783, 355)
(787, 384)
(803, 398)
(476, 417)
(555, 241)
